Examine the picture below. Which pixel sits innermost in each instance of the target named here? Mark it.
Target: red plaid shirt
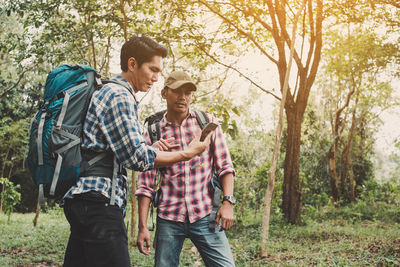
(184, 185)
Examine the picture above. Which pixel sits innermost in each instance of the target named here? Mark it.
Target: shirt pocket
(176, 169)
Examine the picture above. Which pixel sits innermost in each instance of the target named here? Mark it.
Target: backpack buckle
(60, 95)
(45, 106)
(121, 170)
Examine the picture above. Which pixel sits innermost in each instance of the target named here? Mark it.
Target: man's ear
(164, 93)
(131, 63)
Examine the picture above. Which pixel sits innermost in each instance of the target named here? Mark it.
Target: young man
(95, 206)
(185, 202)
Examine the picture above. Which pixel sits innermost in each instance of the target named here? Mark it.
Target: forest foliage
(355, 82)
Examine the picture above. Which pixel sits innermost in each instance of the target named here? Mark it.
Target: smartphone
(209, 128)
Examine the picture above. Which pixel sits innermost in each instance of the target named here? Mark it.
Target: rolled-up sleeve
(122, 131)
(146, 180)
(222, 159)
(145, 185)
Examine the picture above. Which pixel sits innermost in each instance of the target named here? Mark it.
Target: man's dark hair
(142, 48)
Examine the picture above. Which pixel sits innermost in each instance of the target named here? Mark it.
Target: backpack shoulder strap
(93, 82)
(105, 81)
(154, 132)
(202, 118)
(153, 125)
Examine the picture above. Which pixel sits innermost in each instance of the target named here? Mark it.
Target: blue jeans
(213, 246)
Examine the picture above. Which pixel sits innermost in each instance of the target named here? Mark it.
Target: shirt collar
(124, 83)
(191, 114)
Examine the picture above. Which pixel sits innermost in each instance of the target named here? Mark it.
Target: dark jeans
(98, 235)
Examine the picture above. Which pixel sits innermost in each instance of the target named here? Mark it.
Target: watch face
(231, 199)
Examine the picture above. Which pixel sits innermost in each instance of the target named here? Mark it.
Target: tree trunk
(134, 208)
(2, 175)
(277, 146)
(35, 220)
(37, 212)
(10, 171)
(295, 107)
(3, 188)
(351, 180)
(125, 19)
(347, 174)
(291, 198)
(277, 23)
(349, 158)
(343, 174)
(332, 174)
(3, 169)
(348, 163)
(337, 125)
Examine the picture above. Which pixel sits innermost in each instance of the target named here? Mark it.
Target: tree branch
(21, 75)
(218, 87)
(257, 18)
(280, 45)
(392, 3)
(340, 110)
(247, 35)
(281, 14)
(239, 72)
(312, 34)
(106, 59)
(125, 19)
(317, 51)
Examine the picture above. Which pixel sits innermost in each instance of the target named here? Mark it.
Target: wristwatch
(231, 199)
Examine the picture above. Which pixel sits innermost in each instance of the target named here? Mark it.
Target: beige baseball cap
(178, 78)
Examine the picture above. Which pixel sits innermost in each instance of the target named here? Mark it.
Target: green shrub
(388, 192)
(356, 212)
(9, 196)
(28, 191)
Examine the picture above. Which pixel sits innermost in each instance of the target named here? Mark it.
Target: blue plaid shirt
(112, 124)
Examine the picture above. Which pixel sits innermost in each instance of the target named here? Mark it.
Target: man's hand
(225, 214)
(197, 147)
(143, 241)
(165, 145)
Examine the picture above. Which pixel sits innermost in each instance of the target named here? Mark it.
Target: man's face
(147, 74)
(178, 100)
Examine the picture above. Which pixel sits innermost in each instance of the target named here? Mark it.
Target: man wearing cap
(185, 202)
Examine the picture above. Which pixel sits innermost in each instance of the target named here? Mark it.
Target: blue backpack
(55, 159)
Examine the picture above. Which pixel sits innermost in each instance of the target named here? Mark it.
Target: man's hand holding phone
(201, 141)
(207, 130)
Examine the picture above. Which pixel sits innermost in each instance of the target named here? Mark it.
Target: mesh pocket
(66, 142)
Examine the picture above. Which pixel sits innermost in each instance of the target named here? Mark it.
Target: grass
(323, 242)
(24, 245)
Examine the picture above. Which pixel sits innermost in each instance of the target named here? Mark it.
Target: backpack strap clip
(41, 196)
(215, 187)
(40, 133)
(114, 180)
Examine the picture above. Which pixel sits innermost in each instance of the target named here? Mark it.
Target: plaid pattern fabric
(185, 184)
(112, 124)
